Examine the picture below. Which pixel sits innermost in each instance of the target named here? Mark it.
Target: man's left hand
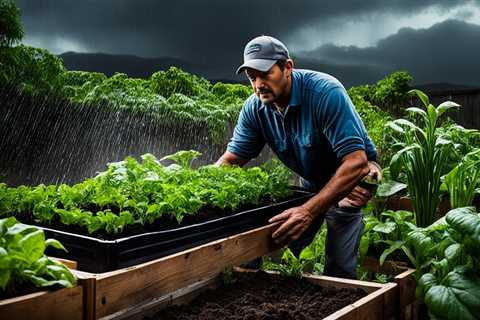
(295, 221)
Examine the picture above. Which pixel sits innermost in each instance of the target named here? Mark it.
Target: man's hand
(295, 221)
(360, 196)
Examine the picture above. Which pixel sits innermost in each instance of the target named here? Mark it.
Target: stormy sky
(355, 40)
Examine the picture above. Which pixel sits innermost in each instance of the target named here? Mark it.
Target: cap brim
(257, 64)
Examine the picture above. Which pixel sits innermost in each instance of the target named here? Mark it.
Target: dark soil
(264, 296)
(167, 222)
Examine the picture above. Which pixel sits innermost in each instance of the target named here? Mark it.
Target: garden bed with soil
(258, 295)
(99, 255)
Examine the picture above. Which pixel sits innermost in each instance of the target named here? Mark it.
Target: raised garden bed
(145, 289)
(45, 305)
(258, 295)
(99, 255)
(405, 301)
(53, 304)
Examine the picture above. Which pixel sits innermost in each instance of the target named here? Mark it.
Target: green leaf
(5, 276)
(33, 245)
(394, 245)
(389, 188)
(426, 281)
(387, 227)
(453, 252)
(395, 127)
(457, 297)
(422, 96)
(445, 106)
(416, 110)
(54, 243)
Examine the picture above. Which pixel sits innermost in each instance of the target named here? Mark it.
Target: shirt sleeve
(247, 141)
(342, 125)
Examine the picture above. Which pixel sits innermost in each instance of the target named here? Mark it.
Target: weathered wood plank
(404, 278)
(59, 304)
(120, 289)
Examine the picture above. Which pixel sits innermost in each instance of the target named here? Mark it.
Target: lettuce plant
(22, 258)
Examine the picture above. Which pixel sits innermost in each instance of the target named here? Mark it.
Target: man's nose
(259, 83)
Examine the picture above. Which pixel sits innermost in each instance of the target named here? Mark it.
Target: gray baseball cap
(262, 52)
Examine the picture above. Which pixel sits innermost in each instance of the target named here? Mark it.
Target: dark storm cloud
(192, 29)
(446, 52)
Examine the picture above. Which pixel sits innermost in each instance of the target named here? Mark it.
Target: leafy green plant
(311, 259)
(290, 265)
(462, 182)
(422, 157)
(183, 158)
(11, 30)
(447, 265)
(130, 192)
(22, 258)
(387, 233)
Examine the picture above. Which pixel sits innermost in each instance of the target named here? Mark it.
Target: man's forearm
(350, 172)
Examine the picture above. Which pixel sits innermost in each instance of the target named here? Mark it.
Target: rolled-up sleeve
(342, 125)
(247, 141)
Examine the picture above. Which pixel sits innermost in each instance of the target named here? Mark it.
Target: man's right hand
(228, 159)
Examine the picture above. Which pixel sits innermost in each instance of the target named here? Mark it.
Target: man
(308, 120)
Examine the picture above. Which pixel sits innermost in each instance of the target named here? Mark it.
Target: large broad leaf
(423, 244)
(33, 245)
(389, 188)
(463, 219)
(416, 110)
(445, 106)
(54, 243)
(6, 223)
(387, 227)
(426, 281)
(400, 216)
(453, 253)
(21, 228)
(395, 127)
(457, 297)
(404, 122)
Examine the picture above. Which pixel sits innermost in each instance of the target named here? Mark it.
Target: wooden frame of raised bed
(144, 289)
(403, 276)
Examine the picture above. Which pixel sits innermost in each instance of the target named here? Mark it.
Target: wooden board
(404, 278)
(58, 304)
(119, 290)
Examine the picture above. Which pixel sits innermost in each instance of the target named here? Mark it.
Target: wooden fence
(469, 113)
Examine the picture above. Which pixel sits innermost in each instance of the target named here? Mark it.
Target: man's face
(269, 85)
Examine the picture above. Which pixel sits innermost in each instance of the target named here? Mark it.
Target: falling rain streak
(47, 139)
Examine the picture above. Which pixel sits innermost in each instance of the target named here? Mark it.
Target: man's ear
(289, 67)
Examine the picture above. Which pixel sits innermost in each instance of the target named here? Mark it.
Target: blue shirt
(316, 130)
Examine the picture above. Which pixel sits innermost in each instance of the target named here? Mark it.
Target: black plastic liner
(97, 255)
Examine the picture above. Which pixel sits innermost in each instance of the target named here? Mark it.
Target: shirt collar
(296, 92)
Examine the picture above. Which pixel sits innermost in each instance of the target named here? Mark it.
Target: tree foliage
(11, 30)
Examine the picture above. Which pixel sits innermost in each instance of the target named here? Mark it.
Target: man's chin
(266, 99)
